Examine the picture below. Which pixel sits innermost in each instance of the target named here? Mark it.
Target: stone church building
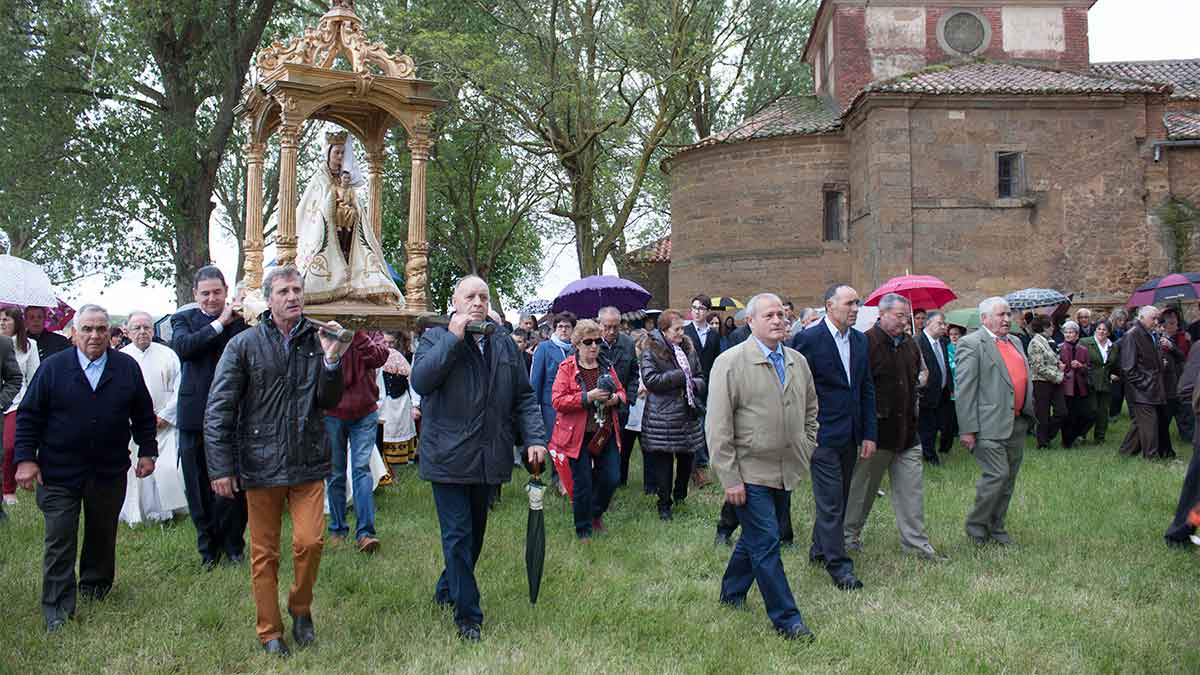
(969, 139)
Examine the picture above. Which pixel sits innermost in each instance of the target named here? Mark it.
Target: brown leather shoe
(699, 478)
(368, 545)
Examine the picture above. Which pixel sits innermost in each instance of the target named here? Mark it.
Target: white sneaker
(10, 500)
(1196, 539)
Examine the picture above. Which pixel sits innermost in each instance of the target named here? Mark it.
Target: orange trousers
(264, 506)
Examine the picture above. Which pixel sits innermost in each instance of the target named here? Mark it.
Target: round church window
(963, 33)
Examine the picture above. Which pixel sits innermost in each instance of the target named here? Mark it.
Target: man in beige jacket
(762, 430)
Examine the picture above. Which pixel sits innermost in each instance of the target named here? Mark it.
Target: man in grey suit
(994, 402)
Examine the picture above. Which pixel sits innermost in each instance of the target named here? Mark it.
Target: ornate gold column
(252, 243)
(417, 278)
(375, 191)
(285, 239)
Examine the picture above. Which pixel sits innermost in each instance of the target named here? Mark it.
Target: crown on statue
(336, 138)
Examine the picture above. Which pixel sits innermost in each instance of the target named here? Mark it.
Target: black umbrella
(535, 533)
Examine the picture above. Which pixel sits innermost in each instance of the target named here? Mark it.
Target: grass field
(1090, 588)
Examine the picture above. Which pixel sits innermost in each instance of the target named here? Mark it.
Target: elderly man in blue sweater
(73, 430)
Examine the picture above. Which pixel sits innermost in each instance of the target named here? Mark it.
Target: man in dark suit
(48, 342)
(475, 397)
(1142, 353)
(837, 353)
(935, 395)
(10, 384)
(708, 347)
(199, 337)
(617, 350)
(73, 430)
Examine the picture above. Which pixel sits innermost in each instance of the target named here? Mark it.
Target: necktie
(777, 361)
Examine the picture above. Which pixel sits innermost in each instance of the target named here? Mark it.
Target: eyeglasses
(590, 342)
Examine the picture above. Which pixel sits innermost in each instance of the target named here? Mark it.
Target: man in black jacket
(49, 343)
(708, 347)
(73, 431)
(199, 336)
(10, 384)
(935, 405)
(617, 350)
(474, 390)
(265, 433)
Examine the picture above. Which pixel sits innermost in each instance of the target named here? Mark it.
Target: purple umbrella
(586, 296)
(1171, 288)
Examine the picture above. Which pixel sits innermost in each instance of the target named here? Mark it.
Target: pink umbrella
(922, 290)
(57, 317)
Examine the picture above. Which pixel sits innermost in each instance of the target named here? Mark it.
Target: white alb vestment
(160, 495)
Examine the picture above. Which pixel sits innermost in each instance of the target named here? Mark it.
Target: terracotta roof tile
(1182, 126)
(1183, 74)
(986, 77)
(788, 116)
(657, 251)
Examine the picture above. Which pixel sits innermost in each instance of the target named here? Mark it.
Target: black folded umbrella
(535, 533)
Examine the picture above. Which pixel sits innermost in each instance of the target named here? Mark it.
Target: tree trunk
(191, 235)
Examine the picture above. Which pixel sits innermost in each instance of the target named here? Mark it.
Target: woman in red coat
(586, 397)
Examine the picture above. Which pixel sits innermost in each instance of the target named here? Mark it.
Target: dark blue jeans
(756, 557)
(360, 435)
(832, 469)
(1189, 495)
(462, 514)
(596, 478)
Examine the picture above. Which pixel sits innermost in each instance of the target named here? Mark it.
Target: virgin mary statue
(337, 250)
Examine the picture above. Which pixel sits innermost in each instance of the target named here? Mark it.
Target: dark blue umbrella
(1033, 298)
(586, 296)
(535, 307)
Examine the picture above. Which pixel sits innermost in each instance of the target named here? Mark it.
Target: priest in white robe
(159, 496)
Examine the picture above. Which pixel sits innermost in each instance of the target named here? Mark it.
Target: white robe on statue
(328, 275)
(159, 496)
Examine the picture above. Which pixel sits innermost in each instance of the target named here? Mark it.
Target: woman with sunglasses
(587, 395)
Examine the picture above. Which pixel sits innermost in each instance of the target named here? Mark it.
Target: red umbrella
(922, 290)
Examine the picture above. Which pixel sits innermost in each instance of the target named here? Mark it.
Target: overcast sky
(1119, 30)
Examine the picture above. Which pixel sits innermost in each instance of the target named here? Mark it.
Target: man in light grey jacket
(994, 402)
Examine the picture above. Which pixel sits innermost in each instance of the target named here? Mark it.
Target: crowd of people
(236, 421)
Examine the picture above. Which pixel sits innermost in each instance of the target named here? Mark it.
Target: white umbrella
(25, 283)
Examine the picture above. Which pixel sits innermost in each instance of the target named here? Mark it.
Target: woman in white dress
(396, 409)
(12, 325)
(337, 249)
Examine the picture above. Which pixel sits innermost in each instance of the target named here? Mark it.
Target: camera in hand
(474, 327)
(606, 383)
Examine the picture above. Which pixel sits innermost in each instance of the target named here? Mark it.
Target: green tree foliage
(122, 139)
(151, 86)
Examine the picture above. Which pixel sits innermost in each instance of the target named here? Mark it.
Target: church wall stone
(748, 217)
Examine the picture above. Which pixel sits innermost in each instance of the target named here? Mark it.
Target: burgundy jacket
(367, 352)
(1074, 379)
